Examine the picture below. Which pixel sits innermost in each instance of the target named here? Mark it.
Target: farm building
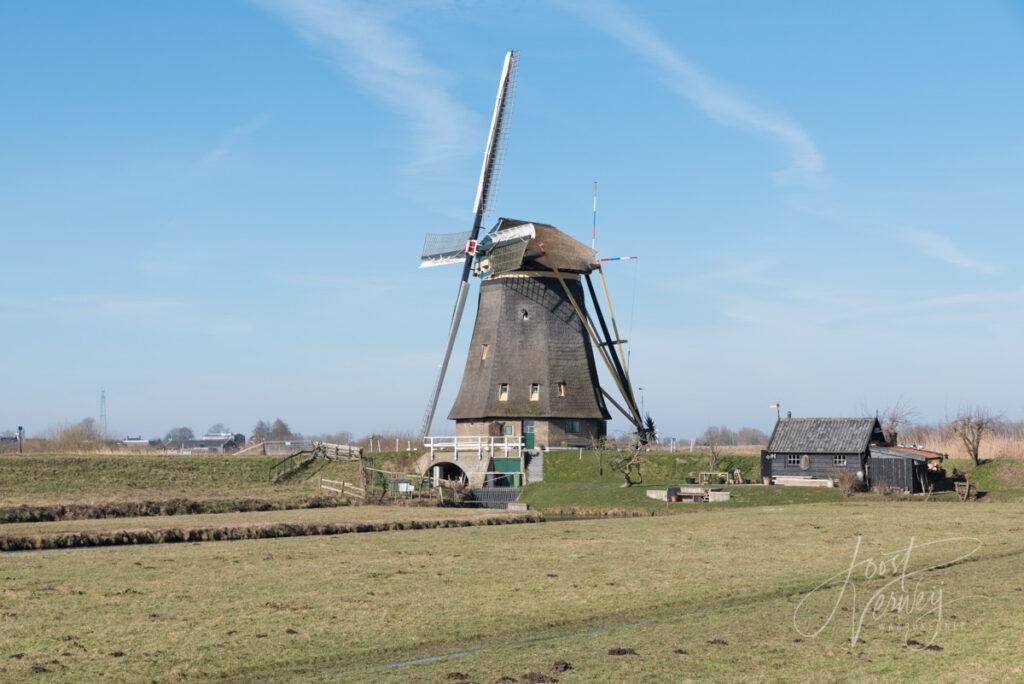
(818, 450)
(208, 444)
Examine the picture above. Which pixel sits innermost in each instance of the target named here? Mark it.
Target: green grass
(597, 496)
(658, 467)
(999, 479)
(723, 587)
(590, 485)
(35, 479)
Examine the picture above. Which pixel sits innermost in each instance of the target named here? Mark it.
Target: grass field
(720, 587)
(34, 479)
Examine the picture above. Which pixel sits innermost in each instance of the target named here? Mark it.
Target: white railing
(504, 446)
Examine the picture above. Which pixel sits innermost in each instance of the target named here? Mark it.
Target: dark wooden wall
(894, 472)
(820, 466)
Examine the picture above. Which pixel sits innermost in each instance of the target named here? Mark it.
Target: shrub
(849, 483)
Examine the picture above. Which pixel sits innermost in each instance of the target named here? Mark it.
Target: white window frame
(839, 460)
(503, 390)
(793, 460)
(535, 391)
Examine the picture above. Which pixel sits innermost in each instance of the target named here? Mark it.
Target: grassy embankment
(589, 485)
(236, 526)
(49, 486)
(700, 597)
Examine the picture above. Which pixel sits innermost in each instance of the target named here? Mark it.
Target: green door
(528, 437)
(509, 469)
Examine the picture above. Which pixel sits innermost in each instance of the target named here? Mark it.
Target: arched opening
(447, 471)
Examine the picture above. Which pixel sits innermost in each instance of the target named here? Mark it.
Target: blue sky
(215, 210)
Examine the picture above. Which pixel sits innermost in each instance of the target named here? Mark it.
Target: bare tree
(627, 462)
(750, 435)
(261, 431)
(179, 434)
(970, 426)
(893, 418)
(279, 430)
(713, 454)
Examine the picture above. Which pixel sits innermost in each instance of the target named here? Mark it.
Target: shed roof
(824, 435)
(887, 452)
(923, 453)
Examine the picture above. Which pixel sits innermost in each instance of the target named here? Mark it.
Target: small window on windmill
(485, 349)
(535, 392)
(572, 427)
(503, 392)
(561, 389)
(526, 315)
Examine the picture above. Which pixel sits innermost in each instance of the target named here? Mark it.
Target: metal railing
(290, 464)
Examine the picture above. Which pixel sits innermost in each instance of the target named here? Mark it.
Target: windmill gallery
(531, 373)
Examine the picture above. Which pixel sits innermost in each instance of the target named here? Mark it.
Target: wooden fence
(343, 488)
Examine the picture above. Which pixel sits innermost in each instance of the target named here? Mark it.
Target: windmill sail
(440, 249)
(488, 172)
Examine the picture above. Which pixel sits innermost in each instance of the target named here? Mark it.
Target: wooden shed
(823, 448)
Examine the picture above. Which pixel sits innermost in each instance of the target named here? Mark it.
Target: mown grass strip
(177, 535)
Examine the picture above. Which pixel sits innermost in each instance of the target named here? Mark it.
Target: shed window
(535, 392)
(561, 389)
(485, 349)
(792, 459)
(572, 427)
(503, 392)
(839, 460)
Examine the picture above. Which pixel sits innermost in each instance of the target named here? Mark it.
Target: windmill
(531, 367)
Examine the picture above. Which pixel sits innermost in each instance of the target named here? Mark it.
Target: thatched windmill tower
(531, 367)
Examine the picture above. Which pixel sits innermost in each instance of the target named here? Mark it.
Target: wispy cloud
(942, 248)
(116, 305)
(688, 81)
(229, 140)
(390, 66)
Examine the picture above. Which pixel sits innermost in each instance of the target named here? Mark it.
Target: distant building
(208, 444)
(824, 448)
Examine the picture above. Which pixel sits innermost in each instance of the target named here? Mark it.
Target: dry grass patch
(355, 607)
